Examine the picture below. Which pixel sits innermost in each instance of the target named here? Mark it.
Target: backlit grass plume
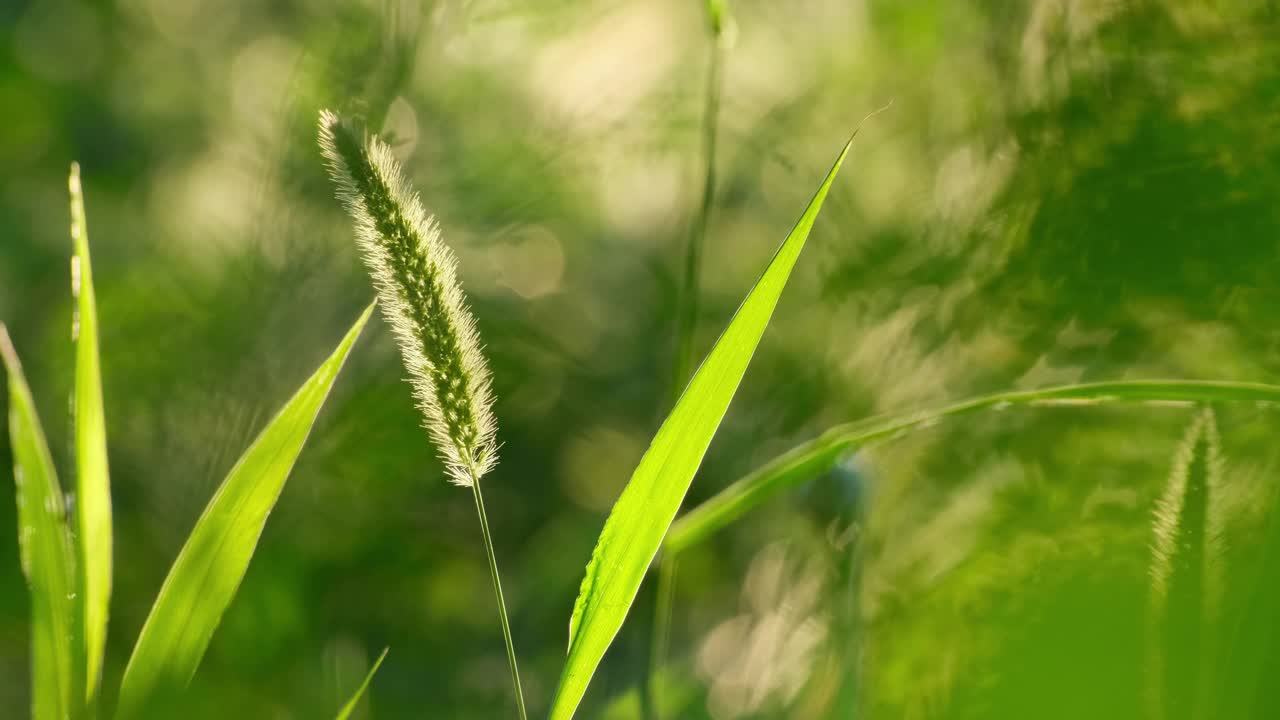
(1184, 575)
(418, 289)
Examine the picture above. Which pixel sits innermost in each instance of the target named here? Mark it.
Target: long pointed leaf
(640, 518)
(350, 707)
(93, 488)
(209, 569)
(810, 458)
(45, 546)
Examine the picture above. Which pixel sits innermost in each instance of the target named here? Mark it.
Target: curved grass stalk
(502, 603)
(806, 460)
(810, 458)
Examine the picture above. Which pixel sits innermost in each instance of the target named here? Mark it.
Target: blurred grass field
(1061, 192)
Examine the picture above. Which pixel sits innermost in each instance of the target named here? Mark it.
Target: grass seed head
(1184, 523)
(415, 275)
(1185, 576)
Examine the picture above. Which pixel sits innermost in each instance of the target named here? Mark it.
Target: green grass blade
(808, 459)
(93, 488)
(210, 566)
(718, 14)
(350, 707)
(640, 518)
(45, 548)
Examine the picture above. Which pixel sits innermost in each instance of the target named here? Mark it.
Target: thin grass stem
(686, 324)
(661, 629)
(502, 603)
(689, 292)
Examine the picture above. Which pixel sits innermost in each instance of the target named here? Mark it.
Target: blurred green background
(1062, 190)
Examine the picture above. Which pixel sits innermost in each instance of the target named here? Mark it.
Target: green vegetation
(643, 513)
(415, 273)
(46, 552)
(1001, 444)
(805, 461)
(213, 561)
(355, 699)
(93, 536)
(67, 626)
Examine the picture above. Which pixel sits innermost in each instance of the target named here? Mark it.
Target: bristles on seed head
(416, 277)
(1186, 578)
(1197, 472)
